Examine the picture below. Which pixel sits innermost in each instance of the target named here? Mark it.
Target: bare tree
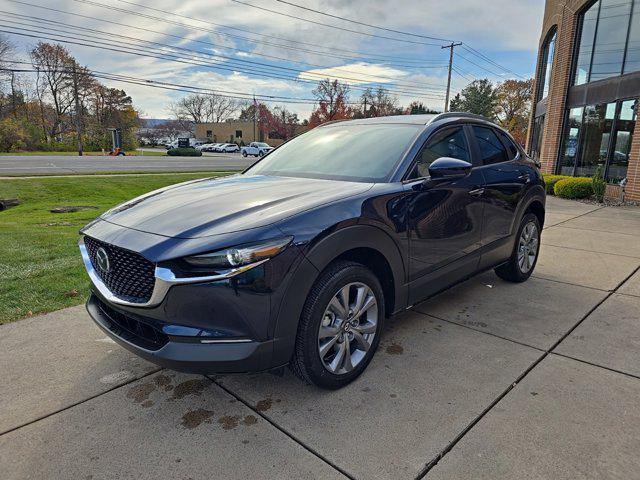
(201, 108)
(53, 64)
(379, 103)
(7, 50)
(332, 97)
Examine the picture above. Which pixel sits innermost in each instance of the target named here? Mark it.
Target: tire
(244, 154)
(349, 351)
(261, 154)
(521, 264)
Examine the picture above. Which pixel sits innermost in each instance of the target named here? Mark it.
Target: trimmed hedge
(551, 180)
(184, 152)
(573, 187)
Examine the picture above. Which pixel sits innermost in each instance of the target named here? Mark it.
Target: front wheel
(340, 326)
(524, 257)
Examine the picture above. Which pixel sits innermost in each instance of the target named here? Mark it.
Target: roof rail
(462, 114)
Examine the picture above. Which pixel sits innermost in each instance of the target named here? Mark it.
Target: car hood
(215, 206)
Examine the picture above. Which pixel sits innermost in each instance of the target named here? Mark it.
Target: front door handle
(476, 192)
(526, 177)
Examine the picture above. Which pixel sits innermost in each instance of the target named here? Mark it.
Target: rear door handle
(476, 192)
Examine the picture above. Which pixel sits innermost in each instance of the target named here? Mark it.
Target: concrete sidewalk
(488, 380)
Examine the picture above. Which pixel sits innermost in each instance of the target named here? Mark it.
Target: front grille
(131, 277)
(142, 334)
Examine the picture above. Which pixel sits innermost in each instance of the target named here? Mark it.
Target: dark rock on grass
(8, 203)
(72, 208)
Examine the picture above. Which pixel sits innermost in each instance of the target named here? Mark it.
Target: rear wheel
(340, 326)
(244, 153)
(525, 252)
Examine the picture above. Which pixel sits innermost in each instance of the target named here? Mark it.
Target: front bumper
(183, 354)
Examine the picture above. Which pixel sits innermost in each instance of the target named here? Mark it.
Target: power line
(231, 59)
(180, 87)
(477, 53)
(328, 52)
(363, 23)
(373, 35)
(480, 66)
(164, 56)
(466, 46)
(216, 45)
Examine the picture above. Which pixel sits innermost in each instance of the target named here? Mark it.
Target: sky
(247, 47)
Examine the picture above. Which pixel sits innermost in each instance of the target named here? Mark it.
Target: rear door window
(512, 150)
(491, 148)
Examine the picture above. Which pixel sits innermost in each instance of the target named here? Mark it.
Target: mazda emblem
(103, 260)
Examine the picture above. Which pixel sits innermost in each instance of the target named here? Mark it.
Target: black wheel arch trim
(319, 256)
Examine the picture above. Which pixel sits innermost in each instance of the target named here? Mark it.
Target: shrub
(573, 187)
(598, 184)
(184, 152)
(12, 135)
(551, 180)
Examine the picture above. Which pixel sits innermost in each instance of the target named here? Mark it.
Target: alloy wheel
(528, 247)
(348, 327)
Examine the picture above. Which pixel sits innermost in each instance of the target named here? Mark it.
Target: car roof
(422, 119)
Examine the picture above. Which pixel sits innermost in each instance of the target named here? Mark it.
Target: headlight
(239, 256)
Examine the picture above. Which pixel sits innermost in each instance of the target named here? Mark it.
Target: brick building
(587, 92)
(240, 132)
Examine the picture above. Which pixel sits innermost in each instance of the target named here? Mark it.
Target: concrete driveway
(489, 380)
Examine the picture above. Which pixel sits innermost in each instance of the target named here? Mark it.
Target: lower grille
(130, 276)
(142, 334)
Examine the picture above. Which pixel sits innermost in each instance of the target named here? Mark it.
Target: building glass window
(238, 133)
(536, 137)
(594, 146)
(621, 144)
(632, 61)
(604, 37)
(547, 65)
(585, 46)
(209, 133)
(599, 135)
(611, 37)
(570, 144)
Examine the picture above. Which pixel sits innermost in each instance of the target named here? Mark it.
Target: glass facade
(609, 41)
(547, 65)
(536, 138)
(599, 135)
(570, 144)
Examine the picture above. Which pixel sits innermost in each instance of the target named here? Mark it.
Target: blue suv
(299, 259)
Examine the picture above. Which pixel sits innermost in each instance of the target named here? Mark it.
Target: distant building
(238, 132)
(587, 91)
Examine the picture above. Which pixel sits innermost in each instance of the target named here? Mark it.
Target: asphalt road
(65, 165)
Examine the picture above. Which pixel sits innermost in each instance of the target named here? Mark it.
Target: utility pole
(255, 112)
(365, 107)
(451, 46)
(78, 113)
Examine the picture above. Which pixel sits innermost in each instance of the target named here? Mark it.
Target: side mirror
(447, 168)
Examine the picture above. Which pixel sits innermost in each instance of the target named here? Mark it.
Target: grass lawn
(40, 265)
(75, 154)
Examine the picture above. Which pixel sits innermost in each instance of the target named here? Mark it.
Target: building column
(632, 190)
(556, 99)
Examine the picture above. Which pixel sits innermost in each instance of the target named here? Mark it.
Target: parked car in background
(192, 143)
(227, 148)
(301, 258)
(257, 149)
(204, 147)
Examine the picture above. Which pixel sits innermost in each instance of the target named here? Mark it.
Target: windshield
(361, 153)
